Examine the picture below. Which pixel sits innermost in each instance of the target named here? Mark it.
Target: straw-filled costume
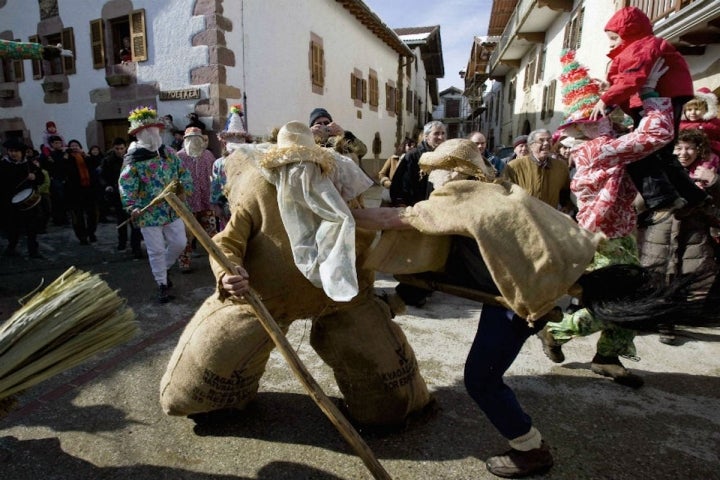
(293, 232)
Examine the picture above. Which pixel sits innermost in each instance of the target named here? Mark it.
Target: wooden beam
(557, 5)
(701, 37)
(532, 37)
(511, 63)
(691, 50)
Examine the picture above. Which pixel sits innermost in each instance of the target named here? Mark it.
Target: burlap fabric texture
(221, 356)
(534, 253)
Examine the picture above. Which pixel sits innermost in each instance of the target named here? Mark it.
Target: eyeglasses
(326, 122)
(543, 140)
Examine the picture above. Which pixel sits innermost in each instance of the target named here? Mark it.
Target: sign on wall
(182, 94)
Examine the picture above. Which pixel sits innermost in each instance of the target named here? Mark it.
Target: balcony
(690, 25)
(525, 28)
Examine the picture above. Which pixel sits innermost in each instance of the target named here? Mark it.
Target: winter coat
(681, 246)
(603, 189)
(632, 60)
(408, 187)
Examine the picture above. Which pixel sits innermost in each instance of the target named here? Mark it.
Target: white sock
(529, 441)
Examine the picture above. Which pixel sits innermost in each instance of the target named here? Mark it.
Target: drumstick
(168, 189)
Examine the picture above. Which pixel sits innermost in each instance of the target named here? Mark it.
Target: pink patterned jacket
(604, 191)
(201, 170)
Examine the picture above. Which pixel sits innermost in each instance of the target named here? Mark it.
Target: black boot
(163, 295)
(611, 367)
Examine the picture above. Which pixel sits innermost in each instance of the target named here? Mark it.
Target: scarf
(82, 170)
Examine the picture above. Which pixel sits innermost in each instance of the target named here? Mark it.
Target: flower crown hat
(142, 118)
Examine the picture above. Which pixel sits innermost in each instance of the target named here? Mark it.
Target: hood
(139, 154)
(630, 23)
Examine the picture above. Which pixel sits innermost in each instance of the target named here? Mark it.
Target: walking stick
(273, 330)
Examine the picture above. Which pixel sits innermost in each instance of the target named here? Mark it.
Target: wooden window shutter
(364, 90)
(36, 64)
(398, 101)
(388, 100)
(97, 42)
(138, 38)
(551, 98)
(18, 69)
(353, 86)
(68, 43)
(579, 25)
(543, 111)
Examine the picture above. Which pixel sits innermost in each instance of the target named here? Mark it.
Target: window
(119, 40)
(540, 68)
(390, 97)
(358, 88)
(529, 74)
(317, 64)
(573, 30)
(452, 108)
(408, 100)
(374, 90)
(551, 98)
(56, 66)
(12, 70)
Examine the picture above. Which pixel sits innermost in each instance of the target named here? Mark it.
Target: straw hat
(193, 132)
(295, 143)
(458, 155)
(143, 117)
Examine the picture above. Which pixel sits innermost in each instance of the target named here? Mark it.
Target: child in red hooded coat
(663, 183)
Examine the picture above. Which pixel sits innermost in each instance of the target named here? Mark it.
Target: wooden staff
(169, 188)
(273, 330)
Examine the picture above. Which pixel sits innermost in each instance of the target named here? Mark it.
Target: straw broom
(275, 333)
(75, 317)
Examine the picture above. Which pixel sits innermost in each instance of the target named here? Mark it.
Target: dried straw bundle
(75, 317)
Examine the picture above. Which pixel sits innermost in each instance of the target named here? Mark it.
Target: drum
(26, 199)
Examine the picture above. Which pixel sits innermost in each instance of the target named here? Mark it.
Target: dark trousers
(23, 222)
(500, 336)
(660, 178)
(84, 220)
(135, 235)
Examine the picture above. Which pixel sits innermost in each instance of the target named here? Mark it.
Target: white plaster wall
(277, 77)
(171, 55)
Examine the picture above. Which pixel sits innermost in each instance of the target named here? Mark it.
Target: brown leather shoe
(611, 367)
(551, 347)
(518, 464)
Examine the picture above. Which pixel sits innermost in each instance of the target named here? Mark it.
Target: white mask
(194, 146)
(149, 138)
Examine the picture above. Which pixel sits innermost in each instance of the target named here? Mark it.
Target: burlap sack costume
(221, 356)
(533, 252)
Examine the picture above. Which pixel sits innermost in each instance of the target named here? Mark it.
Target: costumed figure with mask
(293, 239)
(231, 137)
(148, 169)
(197, 160)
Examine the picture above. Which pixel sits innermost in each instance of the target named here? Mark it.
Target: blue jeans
(500, 336)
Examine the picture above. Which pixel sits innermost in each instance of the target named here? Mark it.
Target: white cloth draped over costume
(317, 219)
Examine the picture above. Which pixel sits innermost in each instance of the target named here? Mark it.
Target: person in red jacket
(701, 113)
(660, 179)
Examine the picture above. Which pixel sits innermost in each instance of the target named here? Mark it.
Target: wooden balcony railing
(659, 9)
